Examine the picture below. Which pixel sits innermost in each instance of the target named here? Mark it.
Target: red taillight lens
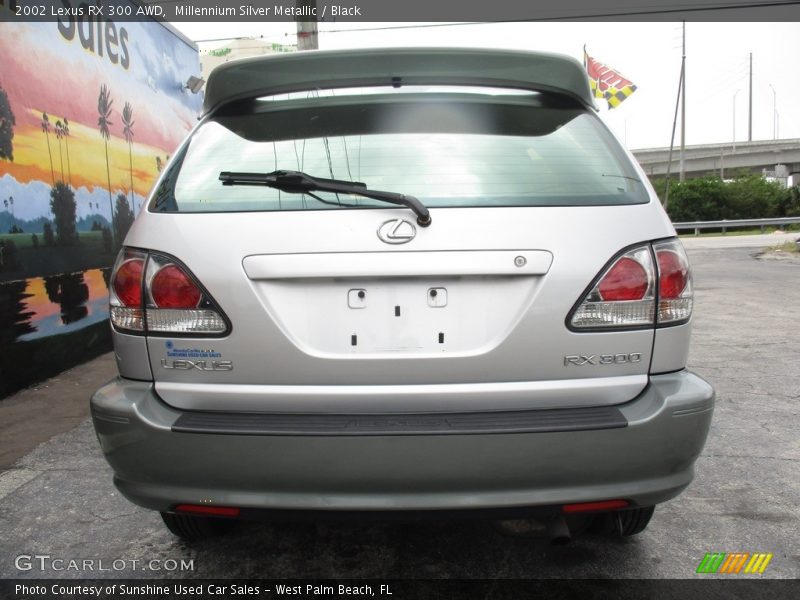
(128, 282)
(626, 280)
(172, 288)
(673, 273)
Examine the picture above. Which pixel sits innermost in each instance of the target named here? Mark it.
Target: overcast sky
(649, 54)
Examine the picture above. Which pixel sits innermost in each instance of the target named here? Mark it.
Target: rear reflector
(581, 507)
(202, 509)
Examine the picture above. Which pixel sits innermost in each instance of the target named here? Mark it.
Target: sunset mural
(43, 72)
(90, 112)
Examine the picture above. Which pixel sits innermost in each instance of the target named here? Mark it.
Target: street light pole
(307, 33)
(734, 120)
(774, 113)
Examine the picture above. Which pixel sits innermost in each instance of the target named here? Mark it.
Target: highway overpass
(779, 158)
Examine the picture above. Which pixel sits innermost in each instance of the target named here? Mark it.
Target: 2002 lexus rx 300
(402, 280)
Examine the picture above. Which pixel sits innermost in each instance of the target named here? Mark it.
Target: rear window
(447, 149)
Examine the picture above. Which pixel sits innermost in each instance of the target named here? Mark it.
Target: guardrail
(724, 224)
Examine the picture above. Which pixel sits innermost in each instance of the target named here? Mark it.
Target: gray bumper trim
(647, 461)
(531, 421)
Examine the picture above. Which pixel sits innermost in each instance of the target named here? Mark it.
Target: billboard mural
(90, 112)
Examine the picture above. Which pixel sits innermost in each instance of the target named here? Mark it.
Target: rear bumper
(642, 451)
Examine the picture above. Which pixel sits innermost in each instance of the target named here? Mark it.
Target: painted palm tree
(104, 103)
(10, 203)
(46, 129)
(59, 129)
(127, 131)
(65, 132)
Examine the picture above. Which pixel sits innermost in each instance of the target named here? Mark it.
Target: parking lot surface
(58, 500)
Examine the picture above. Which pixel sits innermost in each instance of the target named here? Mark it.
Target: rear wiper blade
(296, 182)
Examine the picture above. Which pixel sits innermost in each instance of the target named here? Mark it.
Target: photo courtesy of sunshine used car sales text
(127, 590)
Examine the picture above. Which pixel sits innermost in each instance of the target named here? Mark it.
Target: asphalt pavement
(58, 499)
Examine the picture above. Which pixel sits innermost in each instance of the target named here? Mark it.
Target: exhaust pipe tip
(558, 532)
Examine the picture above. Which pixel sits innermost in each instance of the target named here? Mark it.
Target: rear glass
(447, 149)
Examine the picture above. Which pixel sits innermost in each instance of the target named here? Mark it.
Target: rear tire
(623, 523)
(193, 529)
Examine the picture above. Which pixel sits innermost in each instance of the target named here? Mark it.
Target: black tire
(623, 523)
(193, 529)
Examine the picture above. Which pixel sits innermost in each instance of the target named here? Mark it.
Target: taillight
(172, 288)
(675, 297)
(152, 292)
(128, 282)
(125, 296)
(626, 280)
(624, 296)
(625, 293)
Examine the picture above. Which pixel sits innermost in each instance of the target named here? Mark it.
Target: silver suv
(416, 280)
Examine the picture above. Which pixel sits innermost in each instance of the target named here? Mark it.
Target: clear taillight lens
(675, 295)
(624, 296)
(152, 292)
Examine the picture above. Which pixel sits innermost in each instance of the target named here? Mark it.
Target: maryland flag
(606, 82)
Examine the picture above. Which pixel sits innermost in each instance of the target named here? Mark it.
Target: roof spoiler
(309, 70)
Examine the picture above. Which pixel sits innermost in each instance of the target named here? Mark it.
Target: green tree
(700, 199)
(789, 203)
(7, 122)
(124, 217)
(753, 197)
(62, 203)
(104, 104)
(127, 131)
(107, 241)
(8, 256)
(711, 199)
(47, 233)
(46, 130)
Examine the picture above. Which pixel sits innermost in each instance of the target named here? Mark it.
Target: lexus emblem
(397, 231)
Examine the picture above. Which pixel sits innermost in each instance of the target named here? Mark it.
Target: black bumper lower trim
(500, 422)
